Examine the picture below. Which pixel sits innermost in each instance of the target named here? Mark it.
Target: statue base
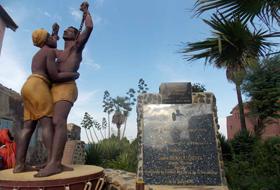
(82, 177)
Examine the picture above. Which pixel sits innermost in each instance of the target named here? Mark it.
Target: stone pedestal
(178, 143)
(82, 177)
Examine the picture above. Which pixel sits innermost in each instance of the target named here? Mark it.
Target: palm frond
(266, 10)
(231, 44)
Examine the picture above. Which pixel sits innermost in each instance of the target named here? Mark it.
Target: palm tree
(118, 119)
(266, 10)
(233, 47)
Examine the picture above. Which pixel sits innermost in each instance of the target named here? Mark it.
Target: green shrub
(255, 164)
(242, 144)
(94, 154)
(226, 148)
(113, 153)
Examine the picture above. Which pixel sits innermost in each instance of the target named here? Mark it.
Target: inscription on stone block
(176, 93)
(179, 145)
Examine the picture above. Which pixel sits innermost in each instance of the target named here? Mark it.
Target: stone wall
(74, 151)
(73, 132)
(11, 108)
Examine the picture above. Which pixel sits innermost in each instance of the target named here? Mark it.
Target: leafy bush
(255, 164)
(243, 144)
(226, 148)
(113, 153)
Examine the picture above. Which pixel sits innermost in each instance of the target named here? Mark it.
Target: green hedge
(252, 164)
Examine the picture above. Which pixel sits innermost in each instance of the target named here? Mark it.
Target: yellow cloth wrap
(39, 37)
(66, 91)
(37, 98)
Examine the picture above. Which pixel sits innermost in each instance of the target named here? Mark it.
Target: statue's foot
(23, 168)
(19, 168)
(66, 168)
(41, 166)
(49, 170)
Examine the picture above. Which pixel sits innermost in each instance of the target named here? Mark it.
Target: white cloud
(85, 97)
(90, 63)
(97, 19)
(12, 72)
(19, 13)
(57, 17)
(76, 14)
(47, 14)
(98, 3)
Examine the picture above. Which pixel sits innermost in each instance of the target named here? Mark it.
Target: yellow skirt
(66, 91)
(37, 98)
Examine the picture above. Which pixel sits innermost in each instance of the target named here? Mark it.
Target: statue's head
(70, 33)
(41, 37)
(51, 41)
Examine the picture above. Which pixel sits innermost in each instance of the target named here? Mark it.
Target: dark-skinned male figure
(37, 98)
(65, 94)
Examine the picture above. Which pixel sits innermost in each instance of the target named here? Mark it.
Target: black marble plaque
(176, 93)
(180, 145)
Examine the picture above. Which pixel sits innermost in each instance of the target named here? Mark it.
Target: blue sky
(131, 40)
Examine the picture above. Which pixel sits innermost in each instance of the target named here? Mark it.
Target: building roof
(9, 92)
(236, 108)
(7, 19)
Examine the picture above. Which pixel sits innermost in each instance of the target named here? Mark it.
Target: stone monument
(178, 144)
(56, 102)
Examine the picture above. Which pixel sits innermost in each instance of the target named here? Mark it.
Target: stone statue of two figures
(50, 92)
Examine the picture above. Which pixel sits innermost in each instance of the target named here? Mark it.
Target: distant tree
(262, 86)
(197, 87)
(88, 123)
(118, 119)
(104, 125)
(130, 99)
(142, 86)
(98, 127)
(122, 105)
(108, 107)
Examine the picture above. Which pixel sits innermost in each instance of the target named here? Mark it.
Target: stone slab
(176, 93)
(180, 145)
